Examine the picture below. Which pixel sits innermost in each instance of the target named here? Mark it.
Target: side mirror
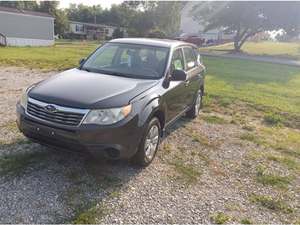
(179, 75)
(81, 61)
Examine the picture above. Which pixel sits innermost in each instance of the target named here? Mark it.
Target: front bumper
(120, 140)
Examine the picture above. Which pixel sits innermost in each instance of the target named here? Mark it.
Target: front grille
(62, 115)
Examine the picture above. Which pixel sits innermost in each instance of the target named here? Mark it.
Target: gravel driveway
(202, 174)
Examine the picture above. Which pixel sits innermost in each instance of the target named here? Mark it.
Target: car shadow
(181, 123)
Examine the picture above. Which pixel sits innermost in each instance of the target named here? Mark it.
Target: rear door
(193, 71)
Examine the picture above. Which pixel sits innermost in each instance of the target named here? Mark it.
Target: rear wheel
(149, 144)
(194, 111)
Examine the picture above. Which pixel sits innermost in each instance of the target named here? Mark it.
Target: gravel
(56, 187)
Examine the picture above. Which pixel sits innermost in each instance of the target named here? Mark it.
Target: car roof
(151, 41)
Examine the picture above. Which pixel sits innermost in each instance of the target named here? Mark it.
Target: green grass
(61, 56)
(220, 218)
(246, 221)
(198, 137)
(271, 179)
(289, 162)
(273, 119)
(283, 140)
(279, 49)
(186, 173)
(214, 119)
(250, 137)
(271, 203)
(90, 216)
(15, 165)
(271, 87)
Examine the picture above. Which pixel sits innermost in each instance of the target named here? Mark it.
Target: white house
(90, 30)
(25, 28)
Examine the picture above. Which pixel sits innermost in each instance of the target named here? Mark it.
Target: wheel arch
(153, 108)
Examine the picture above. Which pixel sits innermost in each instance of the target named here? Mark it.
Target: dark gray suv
(119, 101)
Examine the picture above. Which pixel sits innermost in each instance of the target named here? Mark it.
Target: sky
(103, 3)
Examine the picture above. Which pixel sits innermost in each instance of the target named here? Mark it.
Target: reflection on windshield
(129, 60)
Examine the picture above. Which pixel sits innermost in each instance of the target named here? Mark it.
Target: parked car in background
(119, 101)
(194, 39)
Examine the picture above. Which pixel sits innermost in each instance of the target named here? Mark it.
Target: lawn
(279, 49)
(63, 55)
(275, 87)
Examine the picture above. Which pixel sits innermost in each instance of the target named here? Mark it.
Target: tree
(48, 6)
(141, 24)
(83, 13)
(140, 5)
(26, 5)
(150, 16)
(156, 33)
(246, 19)
(167, 16)
(61, 22)
(118, 33)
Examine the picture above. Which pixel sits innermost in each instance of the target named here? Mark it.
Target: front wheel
(149, 144)
(194, 111)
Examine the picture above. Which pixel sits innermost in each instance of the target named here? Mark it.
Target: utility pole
(95, 20)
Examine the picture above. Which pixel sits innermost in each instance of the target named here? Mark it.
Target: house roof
(92, 24)
(24, 12)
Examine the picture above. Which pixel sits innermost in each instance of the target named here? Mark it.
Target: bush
(118, 33)
(156, 33)
(220, 218)
(273, 119)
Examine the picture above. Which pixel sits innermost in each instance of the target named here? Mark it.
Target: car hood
(82, 89)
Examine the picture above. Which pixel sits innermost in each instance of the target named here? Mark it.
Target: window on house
(79, 28)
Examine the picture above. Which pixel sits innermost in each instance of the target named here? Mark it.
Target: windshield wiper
(114, 73)
(85, 69)
(118, 74)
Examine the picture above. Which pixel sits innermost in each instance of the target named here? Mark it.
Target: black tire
(141, 158)
(194, 111)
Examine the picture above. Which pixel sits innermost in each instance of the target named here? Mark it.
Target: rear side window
(177, 60)
(190, 57)
(198, 56)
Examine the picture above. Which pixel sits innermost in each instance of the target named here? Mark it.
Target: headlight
(23, 100)
(107, 116)
(24, 97)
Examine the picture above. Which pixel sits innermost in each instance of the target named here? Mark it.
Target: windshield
(128, 60)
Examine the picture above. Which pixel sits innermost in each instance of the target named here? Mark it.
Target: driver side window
(177, 61)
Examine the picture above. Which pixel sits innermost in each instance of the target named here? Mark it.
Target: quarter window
(177, 61)
(190, 58)
(198, 56)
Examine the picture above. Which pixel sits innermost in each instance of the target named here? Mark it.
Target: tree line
(140, 18)
(247, 18)
(244, 19)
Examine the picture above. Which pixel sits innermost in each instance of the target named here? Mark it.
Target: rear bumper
(115, 141)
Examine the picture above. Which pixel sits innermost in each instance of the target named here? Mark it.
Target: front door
(176, 94)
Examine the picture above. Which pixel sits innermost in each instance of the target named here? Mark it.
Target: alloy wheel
(198, 104)
(151, 142)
